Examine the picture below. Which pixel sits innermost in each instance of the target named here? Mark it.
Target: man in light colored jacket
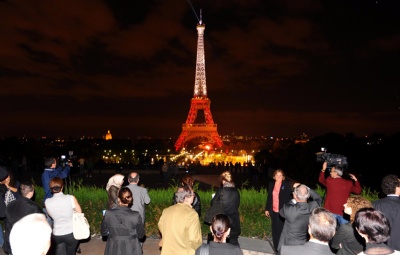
(180, 226)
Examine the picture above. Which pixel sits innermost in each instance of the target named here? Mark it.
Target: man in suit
(297, 213)
(322, 225)
(390, 207)
(179, 225)
(140, 196)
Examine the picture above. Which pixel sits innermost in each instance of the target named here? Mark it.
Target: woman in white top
(60, 207)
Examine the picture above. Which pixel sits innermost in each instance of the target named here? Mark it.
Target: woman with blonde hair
(346, 238)
(230, 198)
(114, 184)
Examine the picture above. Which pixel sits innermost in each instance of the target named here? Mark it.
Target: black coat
(390, 207)
(231, 200)
(123, 227)
(15, 211)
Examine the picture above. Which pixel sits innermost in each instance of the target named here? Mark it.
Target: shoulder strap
(204, 249)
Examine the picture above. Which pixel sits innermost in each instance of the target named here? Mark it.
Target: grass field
(252, 203)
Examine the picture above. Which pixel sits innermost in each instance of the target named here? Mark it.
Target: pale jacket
(180, 229)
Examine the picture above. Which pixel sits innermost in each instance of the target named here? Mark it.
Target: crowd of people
(302, 222)
(300, 226)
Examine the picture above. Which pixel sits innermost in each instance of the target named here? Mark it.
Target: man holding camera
(50, 172)
(338, 190)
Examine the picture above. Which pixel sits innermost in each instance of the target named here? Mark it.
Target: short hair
(220, 223)
(125, 196)
(338, 170)
(182, 193)
(135, 179)
(49, 161)
(56, 184)
(389, 184)
(356, 203)
(25, 188)
(278, 171)
(302, 192)
(30, 235)
(374, 224)
(322, 224)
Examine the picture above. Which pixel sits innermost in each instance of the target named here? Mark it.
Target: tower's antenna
(191, 6)
(201, 18)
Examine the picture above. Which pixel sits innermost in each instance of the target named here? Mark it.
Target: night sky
(276, 68)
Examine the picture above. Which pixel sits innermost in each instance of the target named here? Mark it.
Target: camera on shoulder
(332, 160)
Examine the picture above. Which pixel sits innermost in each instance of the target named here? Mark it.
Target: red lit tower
(200, 101)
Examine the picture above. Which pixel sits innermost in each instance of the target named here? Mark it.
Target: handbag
(80, 225)
(216, 208)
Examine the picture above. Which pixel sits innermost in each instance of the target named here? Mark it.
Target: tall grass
(252, 203)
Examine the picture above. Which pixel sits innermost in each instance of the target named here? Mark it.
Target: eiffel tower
(200, 101)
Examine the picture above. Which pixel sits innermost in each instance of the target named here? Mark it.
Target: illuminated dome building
(108, 135)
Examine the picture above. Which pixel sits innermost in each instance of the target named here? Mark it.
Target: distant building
(108, 136)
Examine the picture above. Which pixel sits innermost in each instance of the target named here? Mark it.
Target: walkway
(249, 246)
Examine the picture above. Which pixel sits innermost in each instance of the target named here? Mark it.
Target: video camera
(332, 159)
(64, 161)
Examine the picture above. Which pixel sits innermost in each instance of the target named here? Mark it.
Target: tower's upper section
(200, 85)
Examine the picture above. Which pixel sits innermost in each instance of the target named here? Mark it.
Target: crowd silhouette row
(302, 222)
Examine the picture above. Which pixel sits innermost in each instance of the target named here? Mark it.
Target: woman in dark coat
(279, 193)
(231, 200)
(123, 227)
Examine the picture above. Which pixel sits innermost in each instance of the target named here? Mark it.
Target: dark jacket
(390, 207)
(50, 173)
(15, 211)
(123, 228)
(347, 241)
(309, 248)
(220, 249)
(296, 220)
(231, 200)
(112, 197)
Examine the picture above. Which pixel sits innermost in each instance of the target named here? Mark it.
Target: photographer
(50, 172)
(338, 190)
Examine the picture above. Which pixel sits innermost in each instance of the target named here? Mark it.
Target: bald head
(133, 178)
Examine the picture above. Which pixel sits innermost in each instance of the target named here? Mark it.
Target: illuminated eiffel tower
(200, 101)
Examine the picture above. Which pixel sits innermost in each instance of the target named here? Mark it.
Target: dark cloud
(273, 67)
